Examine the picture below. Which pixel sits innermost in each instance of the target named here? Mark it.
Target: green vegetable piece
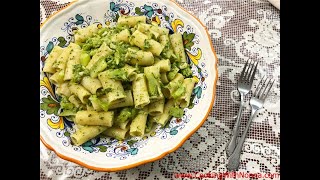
(103, 105)
(98, 67)
(149, 125)
(176, 112)
(84, 59)
(174, 71)
(186, 72)
(125, 115)
(179, 92)
(152, 85)
(118, 74)
(65, 103)
(79, 72)
(146, 45)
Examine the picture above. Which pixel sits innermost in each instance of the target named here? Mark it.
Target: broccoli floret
(173, 72)
(176, 112)
(146, 44)
(179, 92)
(79, 72)
(149, 125)
(103, 105)
(140, 69)
(118, 74)
(182, 65)
(186, 72)
(118, 61)
(126, 114)
(102, 31)
(93, 52)
(92, 43)
(65, 103)
(68, 113)
(152, 85)
(119, 28)
(167, 52)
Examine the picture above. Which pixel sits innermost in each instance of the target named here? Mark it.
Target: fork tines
(248, 71)
(263, 88)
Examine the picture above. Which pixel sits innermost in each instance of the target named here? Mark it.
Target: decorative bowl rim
(79, 162)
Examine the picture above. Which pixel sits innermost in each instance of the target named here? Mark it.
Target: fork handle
(234, 159)
(233, 142)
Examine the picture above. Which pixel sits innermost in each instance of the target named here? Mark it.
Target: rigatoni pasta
(55, 53)
(140, 92)
(94, 118)
(121, 81)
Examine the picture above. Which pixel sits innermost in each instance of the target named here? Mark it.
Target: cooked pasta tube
(62, 60)
(116, 133)
(122, 36)
(53, 56)
(142, 41)
(163, 118)
(178, 48)
(73, 59)
(127, 101)
(164, 65)
(75, 101)
(81, 92)
(85, 133)
(63, 89)
(173, 85)
(142, 58)
(165, 41)
(116, 92)
(152, 74)
(138, 124)
(188, 83)
(57, 77)
(140, 92)
(83, 34)
(164, 78)
(156, 108)
(131, 21)
(91, 84)
(94, 118)
(102, 52)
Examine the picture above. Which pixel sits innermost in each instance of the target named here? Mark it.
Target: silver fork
(244, 86)
(256, 103)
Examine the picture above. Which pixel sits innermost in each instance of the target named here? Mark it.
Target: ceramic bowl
(110, 154)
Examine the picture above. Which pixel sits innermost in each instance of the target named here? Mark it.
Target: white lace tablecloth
(240, 30)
